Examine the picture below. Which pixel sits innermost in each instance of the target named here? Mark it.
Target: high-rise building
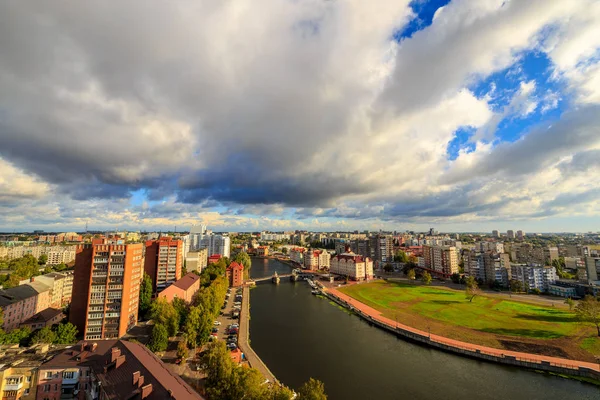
(510, 234)
(215, 244)
(441, 259)
(495, 234)
(520, 235)
(382, 248)
(163, 261)
(106, 286)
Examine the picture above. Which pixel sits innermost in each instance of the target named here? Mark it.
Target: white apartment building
(56, 254)
(268, 236)
(215, 244)
(353, 266)
(297, 255)
(317, 259)
(534, 277)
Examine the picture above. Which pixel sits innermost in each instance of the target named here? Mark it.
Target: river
(299, 335)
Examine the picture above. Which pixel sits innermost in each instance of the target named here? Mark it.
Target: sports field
(490, 321)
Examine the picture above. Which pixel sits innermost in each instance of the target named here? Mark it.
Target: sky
(463, 115)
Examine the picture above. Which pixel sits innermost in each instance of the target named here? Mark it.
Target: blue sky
(381, 117)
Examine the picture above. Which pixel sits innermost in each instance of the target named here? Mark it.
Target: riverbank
(518, 359)
(244, 339)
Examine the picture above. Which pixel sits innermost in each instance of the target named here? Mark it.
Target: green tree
(284, 250)
(569, 301)
(455, 277)
(182, 350)
(312, 390)
(516, 285)
(218, 367)
(162, 312)
(411, 274)
(388, 268)
(426, 278)
(588, 311)
(44, 335)
(145, 294)
(159, 338)
(401, 256)
(182, 310)
(16, 336)
(43, 259)
(472, 289)
(66, 334)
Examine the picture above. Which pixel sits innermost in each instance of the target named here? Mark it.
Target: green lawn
(484, 314)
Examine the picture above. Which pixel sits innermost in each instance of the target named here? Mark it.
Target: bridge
(301, 275)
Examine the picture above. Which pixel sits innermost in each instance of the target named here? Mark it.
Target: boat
(315, 292)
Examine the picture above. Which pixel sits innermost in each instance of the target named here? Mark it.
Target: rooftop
(186, 281)
(16, 294)
(43, 316)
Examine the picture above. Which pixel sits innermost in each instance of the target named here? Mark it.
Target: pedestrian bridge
(302, 275)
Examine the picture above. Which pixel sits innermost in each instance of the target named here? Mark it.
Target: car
(232, 346)
(217, 323)
(235, 325)
(215, 330)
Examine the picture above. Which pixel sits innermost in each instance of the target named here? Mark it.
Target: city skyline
(467, 116)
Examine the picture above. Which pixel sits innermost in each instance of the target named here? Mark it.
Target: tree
(588, 311)
(44, 335)
(66, 334)
(16, 336)
(455, 277)
(182, 310)
(43, 259)
(401, 256)
(426, 278)
(411, 274)
(312, 390)
(159, 338)
(569, 301)
(284, 250)
(217, 365)
(163, 312)
(388, 268)
(244, 259)
(145, 294)
(472, 288)
(516, 285)
(182, 350)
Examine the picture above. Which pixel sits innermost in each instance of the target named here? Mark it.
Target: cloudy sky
(466, 115)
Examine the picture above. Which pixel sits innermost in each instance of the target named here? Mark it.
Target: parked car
(232, 346)
(217, 323)
(215, 330)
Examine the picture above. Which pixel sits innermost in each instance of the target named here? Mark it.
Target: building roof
(39, 286)
(43, 316)
(351, 256)
(16, 294)
(235, 265)
(116, 364)
(186, 281)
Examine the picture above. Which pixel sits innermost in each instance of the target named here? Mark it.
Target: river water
(299, 335)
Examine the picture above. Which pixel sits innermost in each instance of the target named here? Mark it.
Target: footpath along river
(299, 335)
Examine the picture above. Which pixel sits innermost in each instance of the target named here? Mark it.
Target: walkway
(244, 339)
(525, 357)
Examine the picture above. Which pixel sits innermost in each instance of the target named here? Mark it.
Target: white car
(217, 323)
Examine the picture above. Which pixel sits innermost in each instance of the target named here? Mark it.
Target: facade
(441, 259)
(354, 266)
(235, 274)
(106, 285)
(316, 259)
(196, 260)
(297, 255)
(163, 261)
(56, 254)
(495, 234)
(382, 248)
(550, 254)
(534, 277)
(185, 288)
(562, 291)
(520, 235)
(23, 302)
(510, 234)
(110, 370)
(47, 317)
(590, 271)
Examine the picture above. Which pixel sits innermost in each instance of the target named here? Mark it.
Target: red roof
(186, 281)
(235, 265)
(354, 257)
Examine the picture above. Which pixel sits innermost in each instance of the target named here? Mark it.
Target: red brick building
(184, 289)
(163, 261)
(106, 286)
(235, 274)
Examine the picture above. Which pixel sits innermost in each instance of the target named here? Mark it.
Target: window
(68, 375)
(46, 388)
(48, 375)
(55, 387)
(29, 379)
(26, 392)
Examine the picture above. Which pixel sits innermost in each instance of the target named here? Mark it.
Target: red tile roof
(186, 281)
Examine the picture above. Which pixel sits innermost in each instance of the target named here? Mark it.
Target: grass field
(489, 321)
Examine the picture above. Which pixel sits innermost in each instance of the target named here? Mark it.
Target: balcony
(70, 377)
(13, 383)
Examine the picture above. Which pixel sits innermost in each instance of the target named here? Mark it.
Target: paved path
(244, 339)
(534, 358)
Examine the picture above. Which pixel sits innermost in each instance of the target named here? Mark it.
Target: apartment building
(47, 317)
(262, 251)
(61, 287)
(297, 255)
(215, 244)
(441, 259)
(196, 260)
(56, 254)
(534, 276)
(354, 266)
(110, 370)
(106, 285)
(163, 262)
(382, 248)
(23, 302)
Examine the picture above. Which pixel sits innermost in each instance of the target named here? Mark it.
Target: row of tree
(226, 380)
(194, 320)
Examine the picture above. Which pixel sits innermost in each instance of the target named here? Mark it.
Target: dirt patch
(533, 348)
